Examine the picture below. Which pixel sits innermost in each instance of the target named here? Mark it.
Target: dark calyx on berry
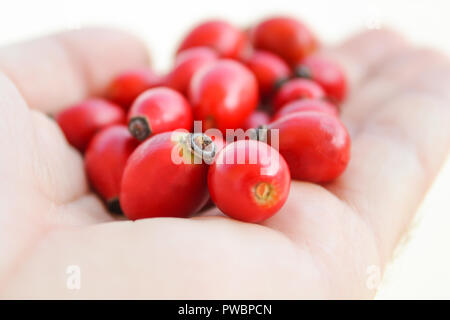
(139, 128)
(113, 206)
(202, 146)
(280, 82)
(302, 72)
(262, 133)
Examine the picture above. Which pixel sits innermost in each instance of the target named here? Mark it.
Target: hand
(319, 246)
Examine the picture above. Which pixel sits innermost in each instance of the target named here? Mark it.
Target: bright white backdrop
(421, 267)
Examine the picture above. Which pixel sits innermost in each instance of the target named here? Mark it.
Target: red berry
(252, 189)
(165, 177)
(128, 85)
(268, 69)
(81, 121)
(256, 119)
(326, 73)
(315, 145)
(223, 95)
(187, 63)
(306, 105)
(105, 161)
(159, 110)
(227, 40)
(297, 89)
(287, 37)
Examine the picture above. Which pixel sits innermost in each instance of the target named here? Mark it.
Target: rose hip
(297, 89)
(227, 40)
(253, 189)
(269, 69)
(187, 63)
(286, 37)
(306, 105)
(223, 95)
(105, 161)
(159, 110)
(326, 73)
(166, 177)
(128, 85)
(256, 119)
(315, 145)
(81, 121)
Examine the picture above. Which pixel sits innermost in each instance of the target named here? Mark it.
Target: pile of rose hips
(140, 146)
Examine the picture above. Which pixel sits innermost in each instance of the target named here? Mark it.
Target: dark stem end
(262, 133)
(202, 146)
(279, 83)
(139, 128)
(303, 72)
(113, 205)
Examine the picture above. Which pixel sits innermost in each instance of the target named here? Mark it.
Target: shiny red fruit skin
(164, 109)
(187, 63)
(130, 84)
(256, 119)
(328, 74)
(227, 40)
(297, 89)
(286, 37)
(307, 105)
(106, 157)
(223, 95)
(268, 69)
(155, 186)
(315, 145)
(81, 121)
(232, 185)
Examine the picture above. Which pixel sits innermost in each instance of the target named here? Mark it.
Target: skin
(318, 246)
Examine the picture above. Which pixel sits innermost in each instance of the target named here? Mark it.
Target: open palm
(321, 245)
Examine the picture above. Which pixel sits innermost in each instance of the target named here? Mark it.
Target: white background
(421, 268)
